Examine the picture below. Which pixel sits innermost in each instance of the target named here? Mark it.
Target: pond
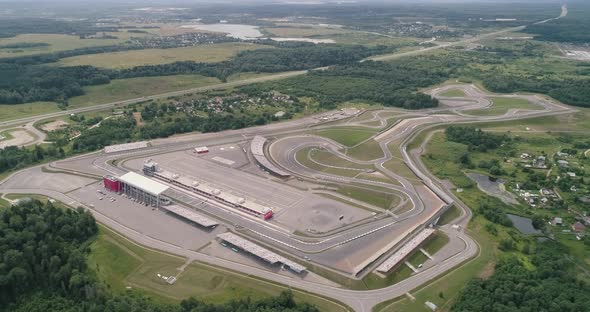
(493, 188)
(524, 225)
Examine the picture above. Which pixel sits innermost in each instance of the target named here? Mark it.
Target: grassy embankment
(125, 266)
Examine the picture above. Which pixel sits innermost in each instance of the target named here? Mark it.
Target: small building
(563, 163)
(578, 227)
(201, 150)
(561, 154)
(279, 114)
(557, 221)
(571, 174)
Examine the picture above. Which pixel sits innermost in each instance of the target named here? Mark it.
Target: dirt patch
(138, 119)
(54, 125)
(488, 270)
(19, 138)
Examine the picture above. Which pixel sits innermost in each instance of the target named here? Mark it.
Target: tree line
(43, 268)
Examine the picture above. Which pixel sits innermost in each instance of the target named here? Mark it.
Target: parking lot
(146, 220)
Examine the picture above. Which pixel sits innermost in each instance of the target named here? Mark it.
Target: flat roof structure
(210, 189)
(257, 150)
(191, 215)
(259, 251)
(143, 183)
(125, 147)
(403, 252)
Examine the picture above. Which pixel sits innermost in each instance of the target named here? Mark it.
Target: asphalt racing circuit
(312, 225)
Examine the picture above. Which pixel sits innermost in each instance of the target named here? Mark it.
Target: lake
(524, 225)
(248, 32)
(239, 31)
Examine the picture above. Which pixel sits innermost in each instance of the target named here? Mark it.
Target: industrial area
(253, 201)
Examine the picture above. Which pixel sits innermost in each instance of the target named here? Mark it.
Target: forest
(390, 84)
(550, 285)
(574, 28)
(475, 139)
(43, 268)
(20, 83)
(10, 27)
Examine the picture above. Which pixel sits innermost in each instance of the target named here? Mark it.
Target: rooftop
(191, 215)
(403, 252)
(139, 181)
(259, 251)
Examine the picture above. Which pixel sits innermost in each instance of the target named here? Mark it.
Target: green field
(125, 266)
(57, 43)
(328, 158)
(501, 105)
(368, 150)
(347, 136)
(400, 168)
(436, 242)
(126, 59)
(379, 199)
(449, 215)
(307, 157)
(16, 111)
(453, 93)
(123, 89)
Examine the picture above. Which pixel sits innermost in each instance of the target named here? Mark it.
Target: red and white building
(111, 183)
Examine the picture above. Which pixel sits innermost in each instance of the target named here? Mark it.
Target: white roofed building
(142, 189)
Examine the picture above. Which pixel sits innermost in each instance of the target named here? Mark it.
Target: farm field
(126, 59)
(58, 42)
(122, 264)
(123, 89)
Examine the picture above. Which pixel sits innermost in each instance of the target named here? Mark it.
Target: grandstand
(209, 190)
(260, 252)
(125, 147)
(405, 251)
(257, 150)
